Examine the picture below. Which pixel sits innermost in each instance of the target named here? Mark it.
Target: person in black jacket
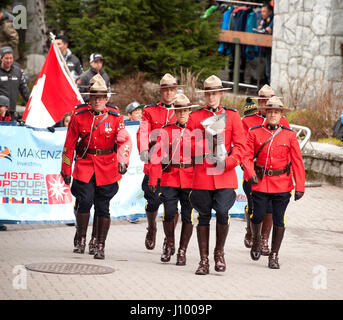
(12, 79)
(71, 60)
(83, 82)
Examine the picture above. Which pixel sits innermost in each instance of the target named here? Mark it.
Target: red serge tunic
(275, 155)
(154, 117)
(111, 131)
(254, 120)
(170, 144)
(206, 176)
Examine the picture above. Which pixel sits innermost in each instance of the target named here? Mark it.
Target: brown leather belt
(260, 171)
(181, 165)
(100, 152)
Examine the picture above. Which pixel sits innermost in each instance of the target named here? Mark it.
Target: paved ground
(311, 259)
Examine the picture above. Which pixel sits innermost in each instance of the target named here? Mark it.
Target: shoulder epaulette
(81, 111)
(283, 127)
(232, 109)
(81, 105)
(255, 127)
(108, 105)
(151, 105)
(114, 113)
(197, 109)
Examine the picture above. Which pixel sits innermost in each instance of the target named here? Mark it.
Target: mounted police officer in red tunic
(272, 150)
(103, 146)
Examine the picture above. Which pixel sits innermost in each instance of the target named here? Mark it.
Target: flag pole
(53, 37)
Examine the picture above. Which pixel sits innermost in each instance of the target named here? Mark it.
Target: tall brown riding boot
(247, 238)
(186, 233)
(273, 261)
(150, 238)
(221, 234)
(103, 226)
(92, 242)
(169, 244)
(176, 218)
(266, 228)
(76, 242)
(255, 251)
(82, 220)
(203, 235)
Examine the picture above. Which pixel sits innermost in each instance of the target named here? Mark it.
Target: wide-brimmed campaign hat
(182, 102)
(275, 103)
(168, 81)
(266, 92)
(213, 83)
(98, 86)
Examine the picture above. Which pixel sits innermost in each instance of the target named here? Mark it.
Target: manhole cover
(69, 268)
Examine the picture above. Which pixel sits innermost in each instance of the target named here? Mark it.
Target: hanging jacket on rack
(210, 10)
(241, 15)
(251, 51)
(225, 26)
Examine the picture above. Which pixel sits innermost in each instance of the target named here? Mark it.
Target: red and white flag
(53, 94)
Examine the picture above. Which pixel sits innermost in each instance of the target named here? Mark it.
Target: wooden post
(236, 65)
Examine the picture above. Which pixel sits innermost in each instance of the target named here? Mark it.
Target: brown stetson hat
(168, 81)
(266, 92)
(182, 102)
(213, 83)
(98, 86)
(275, 103)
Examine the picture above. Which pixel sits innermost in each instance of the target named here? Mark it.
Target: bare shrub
(134, 88)
(317, 106)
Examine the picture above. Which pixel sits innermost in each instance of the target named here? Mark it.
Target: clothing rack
(242, 3)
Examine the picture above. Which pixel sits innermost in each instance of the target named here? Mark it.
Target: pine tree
(152, 36)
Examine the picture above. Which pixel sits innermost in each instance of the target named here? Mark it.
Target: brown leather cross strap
(269, 172)
(100, 152)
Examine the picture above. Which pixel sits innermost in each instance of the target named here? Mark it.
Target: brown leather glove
(298, 195)
(253, 180)
(122, 168)
(144, 156)
(66, 178)
(152, 188)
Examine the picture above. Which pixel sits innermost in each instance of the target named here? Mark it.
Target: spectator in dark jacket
(96, 63)
(12, 79)
(71, 60)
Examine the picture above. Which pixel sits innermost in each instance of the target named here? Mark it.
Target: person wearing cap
(155, 116)
(71, 60)
(272, 150)
(176, 180)
(8, 34)
(214, 178)
(4, 105)
(98, 167)
(134, 111)
(96, 66)
(251, 120)
(12, 79)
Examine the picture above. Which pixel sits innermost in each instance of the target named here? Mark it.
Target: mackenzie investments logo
(5, 153)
